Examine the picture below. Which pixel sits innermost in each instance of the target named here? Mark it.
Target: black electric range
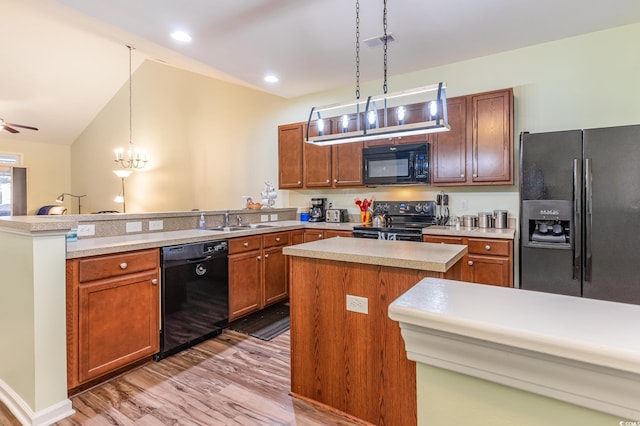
(404, 220)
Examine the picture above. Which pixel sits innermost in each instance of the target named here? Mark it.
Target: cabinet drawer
(445, 240)
(96, 268)
(242, 244)
(275, 239)
(489, 247)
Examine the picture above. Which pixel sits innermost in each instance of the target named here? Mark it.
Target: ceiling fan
(9, 127)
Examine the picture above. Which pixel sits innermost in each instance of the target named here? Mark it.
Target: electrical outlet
(86, 230)
(155, 225)
(264, 218)
(357, 304)
(464, 206)
(134, 226)
(274, 217)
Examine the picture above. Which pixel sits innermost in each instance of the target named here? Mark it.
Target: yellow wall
(48, 171)
(208, 143)
(447, 398)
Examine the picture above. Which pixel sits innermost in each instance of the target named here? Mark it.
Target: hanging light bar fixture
(421, 110)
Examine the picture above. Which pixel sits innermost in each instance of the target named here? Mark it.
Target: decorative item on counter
(254, 206)
(365, 214)
(269, 195)
(245, 201)
(304, 214)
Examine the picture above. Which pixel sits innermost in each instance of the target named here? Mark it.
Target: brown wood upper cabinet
(479, 148)
(303, 165)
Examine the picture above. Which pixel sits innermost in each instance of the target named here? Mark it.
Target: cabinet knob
(154, 281)
(246, 244)
(266, 256)
(475, 175)
(278, 239)
(328, 180)
(470, 263)
(462, 175)
(335, 180)
(123, 265)
(487, 247)
(319, 235)
(299, 182)
(259, 258)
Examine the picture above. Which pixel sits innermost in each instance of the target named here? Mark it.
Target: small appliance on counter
(317, 212)
(337, 215)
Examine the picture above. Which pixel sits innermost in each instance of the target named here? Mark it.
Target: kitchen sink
(255, 226)
(226, 228)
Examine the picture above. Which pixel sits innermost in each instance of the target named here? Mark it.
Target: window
(11, 158)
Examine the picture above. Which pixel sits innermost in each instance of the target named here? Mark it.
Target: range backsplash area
(461, 200)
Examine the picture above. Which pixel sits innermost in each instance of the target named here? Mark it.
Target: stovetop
(406, 216)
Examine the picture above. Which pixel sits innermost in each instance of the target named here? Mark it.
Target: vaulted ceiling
(63, 60)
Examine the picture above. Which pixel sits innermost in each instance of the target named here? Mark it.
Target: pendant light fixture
(421, 110)
(133, 157)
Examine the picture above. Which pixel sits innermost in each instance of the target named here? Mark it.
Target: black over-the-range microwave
(396, 164)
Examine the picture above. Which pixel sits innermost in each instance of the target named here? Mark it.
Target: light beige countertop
(579, 350)
(507, 233)
(107, 245)
(36, 224)
(399, 254)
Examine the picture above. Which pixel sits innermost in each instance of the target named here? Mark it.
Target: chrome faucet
(239, 220)
(226, 218)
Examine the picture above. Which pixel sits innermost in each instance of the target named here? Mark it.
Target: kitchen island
(532, 359)
(346, 353)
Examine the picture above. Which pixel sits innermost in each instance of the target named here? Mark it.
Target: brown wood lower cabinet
(112, 313)
(488, 261)
(319, 234)
(257, 272)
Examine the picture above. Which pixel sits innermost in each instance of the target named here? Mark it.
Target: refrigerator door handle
(575, 234)
(588, 217)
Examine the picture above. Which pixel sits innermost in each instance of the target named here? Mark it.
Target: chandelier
(421, 110)
(132, 157)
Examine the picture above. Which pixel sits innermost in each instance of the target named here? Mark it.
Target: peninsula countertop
(400, 254)
(555, 345)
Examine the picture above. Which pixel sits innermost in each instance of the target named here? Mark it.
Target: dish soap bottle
(202, 222)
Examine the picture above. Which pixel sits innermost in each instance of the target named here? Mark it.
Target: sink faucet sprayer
(239, 219)
(226, 218)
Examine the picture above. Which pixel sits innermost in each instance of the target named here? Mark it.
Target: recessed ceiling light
(182, 36)
(271, 78)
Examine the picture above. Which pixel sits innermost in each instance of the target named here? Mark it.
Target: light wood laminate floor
(232, 379)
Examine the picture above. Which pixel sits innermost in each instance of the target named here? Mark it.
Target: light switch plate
(86, 230)
(155, 225)
(357, 304)
(134, 226)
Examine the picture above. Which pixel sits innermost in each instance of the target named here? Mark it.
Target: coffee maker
(317, 210)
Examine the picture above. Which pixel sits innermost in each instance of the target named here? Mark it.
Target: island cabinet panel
(353, 362)
(112, 314)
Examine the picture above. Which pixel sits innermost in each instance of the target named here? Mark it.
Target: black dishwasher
(195, 295)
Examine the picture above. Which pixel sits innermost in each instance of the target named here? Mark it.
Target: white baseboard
(25, 414)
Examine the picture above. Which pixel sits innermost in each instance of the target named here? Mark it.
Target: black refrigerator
(580, 213)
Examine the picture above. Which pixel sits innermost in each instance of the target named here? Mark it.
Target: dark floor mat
(265, 324)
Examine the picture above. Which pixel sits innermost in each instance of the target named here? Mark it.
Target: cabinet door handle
(462, 175)
(335, 180)
(328, 180)
(475, 175)
(154, 281)
(259, 257)
(266, 256)
(487, 247)
(319, 235)
(299, 182)
(123, 265)
(246, 244)
(470, 263)
(278, 239)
